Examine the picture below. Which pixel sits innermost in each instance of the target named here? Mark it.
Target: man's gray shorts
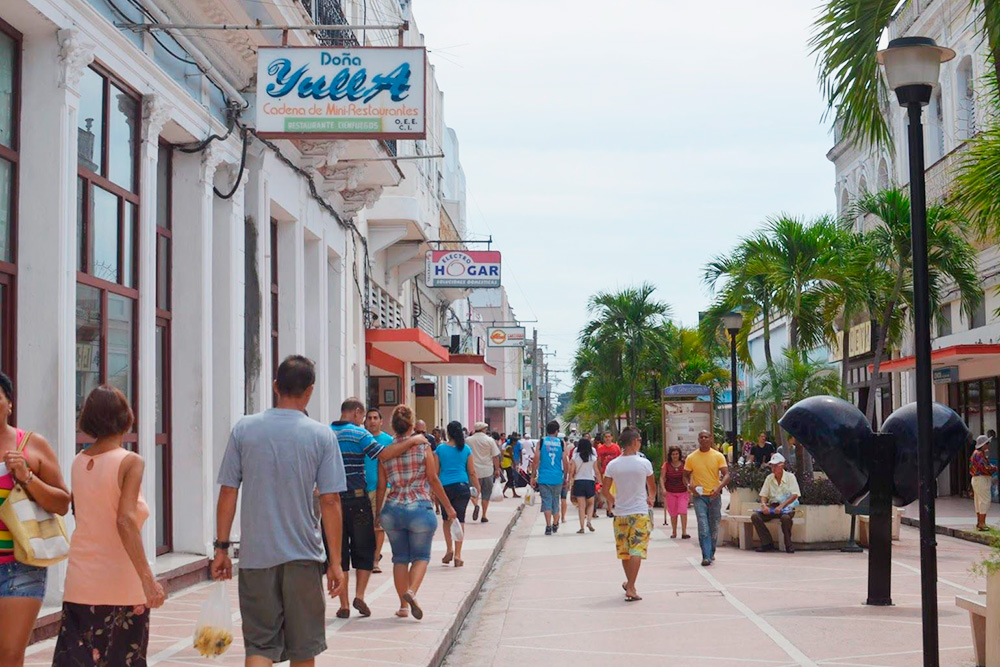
(486, 487)
(283, 611)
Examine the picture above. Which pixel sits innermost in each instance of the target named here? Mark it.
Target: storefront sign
(859, 342)
(945, 375)
(463, 268)
(505, 337)
(338, 93)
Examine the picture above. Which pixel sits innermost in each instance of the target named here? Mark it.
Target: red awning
(459, 365)
(946, 356)
(413, 345)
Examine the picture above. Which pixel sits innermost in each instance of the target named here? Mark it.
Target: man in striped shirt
(358, 544)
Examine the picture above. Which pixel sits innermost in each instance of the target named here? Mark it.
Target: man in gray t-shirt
(281, 458)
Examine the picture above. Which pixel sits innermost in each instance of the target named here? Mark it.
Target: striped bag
(40, 537)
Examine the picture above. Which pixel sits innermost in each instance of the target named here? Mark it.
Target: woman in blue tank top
(457, 475)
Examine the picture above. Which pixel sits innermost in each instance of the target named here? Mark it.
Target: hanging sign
(463, 268)
(341, 93)
(505, 336)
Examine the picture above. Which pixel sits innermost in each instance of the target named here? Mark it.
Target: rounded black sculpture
(838, 436)
(950, 435)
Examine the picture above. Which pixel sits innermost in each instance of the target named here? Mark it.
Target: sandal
(580, 532)
(459, 562)
(343, 613)
(447, 557)
(590, 526)
(685, 537)
(362, 608)
(418, 613)
(403, 612)
(632, 598)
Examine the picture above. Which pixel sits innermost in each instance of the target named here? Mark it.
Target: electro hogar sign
(341, 93)
(463, 268)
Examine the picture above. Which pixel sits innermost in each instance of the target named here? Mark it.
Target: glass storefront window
(104, 219)
(122, 135)
(90, 121)
(6, 210)
(128, 250)
(8, 61)
(88, 342)
(120, 336)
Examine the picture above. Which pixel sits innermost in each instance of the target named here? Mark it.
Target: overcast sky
(615, 142)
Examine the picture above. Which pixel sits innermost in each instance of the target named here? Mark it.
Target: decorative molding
(345, 178)
(323, 153)
(75, 55)
(355, 200)
(211, 158)
(231, 171)
(156, 111)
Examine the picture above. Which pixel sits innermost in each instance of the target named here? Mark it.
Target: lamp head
(912, 66)
(733, 321)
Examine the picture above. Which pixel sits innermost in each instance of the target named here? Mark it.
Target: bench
(745, 531)
(864, 519)
(976, 606)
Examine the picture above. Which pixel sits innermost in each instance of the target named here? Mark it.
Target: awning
(956, 355)
(413, 345)
(459, 365)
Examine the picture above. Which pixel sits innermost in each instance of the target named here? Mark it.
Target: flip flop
(580, 531)
(459, 562)
(418, 613)
(343, 613)
(403, 613)
(362, 608)
(632, 598)
(685, 537)
(447, 557)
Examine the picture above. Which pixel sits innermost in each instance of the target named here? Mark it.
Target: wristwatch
(221, 546)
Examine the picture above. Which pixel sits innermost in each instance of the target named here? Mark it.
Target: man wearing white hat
(778, 499)
(982, 479)
(486, 459)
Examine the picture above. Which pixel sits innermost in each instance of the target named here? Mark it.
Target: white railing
(386, 311)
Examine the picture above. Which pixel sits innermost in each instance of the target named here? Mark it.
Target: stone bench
(976, 606)
(864, 519)
(745, 531)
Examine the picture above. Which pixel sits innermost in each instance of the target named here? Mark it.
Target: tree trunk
(845, 339)
(769, 362)
(883, 334)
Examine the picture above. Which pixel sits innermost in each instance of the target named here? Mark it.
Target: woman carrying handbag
(26, 461)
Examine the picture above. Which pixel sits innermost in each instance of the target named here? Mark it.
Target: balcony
(330, 12)
(386, 312)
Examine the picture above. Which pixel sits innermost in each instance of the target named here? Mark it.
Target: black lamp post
(912, 66)
(733, 322)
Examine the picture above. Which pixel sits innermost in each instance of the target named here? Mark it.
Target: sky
(611, 143)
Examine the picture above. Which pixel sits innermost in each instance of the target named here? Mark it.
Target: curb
(957, 533)
(463, 611)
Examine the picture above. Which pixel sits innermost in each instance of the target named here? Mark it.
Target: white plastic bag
(473, 491)
(529, 496)
(497, 492)
(457, 533)
(214, 631)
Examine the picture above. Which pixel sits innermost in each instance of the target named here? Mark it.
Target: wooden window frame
(8, 270)
(273, 305)
(106, 287)
(164, 319)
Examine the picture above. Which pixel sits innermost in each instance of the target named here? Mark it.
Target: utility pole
(548, 396)
(534, 383)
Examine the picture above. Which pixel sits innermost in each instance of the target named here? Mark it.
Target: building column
(228, 284)
(291, 288)
(258, 386)
(155, 112)
(316, 323)
(46, 283)
(191, 353)
(337, 345)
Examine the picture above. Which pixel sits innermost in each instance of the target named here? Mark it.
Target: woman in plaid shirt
(982, 479)
(408, 515)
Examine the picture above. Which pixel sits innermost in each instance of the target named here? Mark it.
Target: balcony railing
(330, 12)
(386, 312)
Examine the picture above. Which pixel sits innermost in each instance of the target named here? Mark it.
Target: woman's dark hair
(7, 386)
(585, 448)
(670, 453)
(106, 412)
(455, 433)
(402, 419)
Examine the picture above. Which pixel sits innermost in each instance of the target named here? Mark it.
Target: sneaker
(548, 530)
(705, 562)
(555, 528)
(789, 549)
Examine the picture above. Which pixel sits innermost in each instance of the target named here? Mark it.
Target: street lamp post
(733, 322)
(912, 66)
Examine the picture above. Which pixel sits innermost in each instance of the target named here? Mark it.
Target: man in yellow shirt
(706, 473)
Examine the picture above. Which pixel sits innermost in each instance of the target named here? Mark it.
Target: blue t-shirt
(371, 465)
(550, 463)
(518, 451)
(279, 457)
(454, 463)
(356, 444)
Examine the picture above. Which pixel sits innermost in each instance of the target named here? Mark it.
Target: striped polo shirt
(6, 539)
(356, 443)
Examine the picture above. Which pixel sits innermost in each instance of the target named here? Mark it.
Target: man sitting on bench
(778, 499)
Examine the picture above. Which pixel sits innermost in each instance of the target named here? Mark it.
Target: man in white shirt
(779, 496)
(486, 459)
(632, 502)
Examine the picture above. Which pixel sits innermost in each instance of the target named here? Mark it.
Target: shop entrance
(976, 402)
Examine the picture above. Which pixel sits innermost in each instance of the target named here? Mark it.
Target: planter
(743, 500)
(823, 523)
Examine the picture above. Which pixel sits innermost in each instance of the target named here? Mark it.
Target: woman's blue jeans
(709, 513)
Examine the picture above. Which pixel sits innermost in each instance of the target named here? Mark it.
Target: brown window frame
(164, 318)
(91, 179)
(8, 270)
(273, 305)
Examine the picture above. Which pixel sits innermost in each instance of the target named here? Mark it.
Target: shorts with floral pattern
(632, 533)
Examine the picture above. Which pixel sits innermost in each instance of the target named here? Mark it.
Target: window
(164, 459)
(935, 129)
(107, 213)
(883, 175)
(966, 94)
(10, 53)
(979, 316)
(274, 300)
(944, 321)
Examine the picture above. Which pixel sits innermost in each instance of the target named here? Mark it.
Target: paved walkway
(558, 600)
(446, 595)
(954, 512)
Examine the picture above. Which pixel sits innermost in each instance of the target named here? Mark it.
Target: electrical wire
(239, 174)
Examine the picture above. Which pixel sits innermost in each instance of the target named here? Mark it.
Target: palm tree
(630, 321)
(950, 257)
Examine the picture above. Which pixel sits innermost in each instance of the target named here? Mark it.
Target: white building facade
(966, 351)
(147, 241)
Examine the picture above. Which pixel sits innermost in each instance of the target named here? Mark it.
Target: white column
(291, 289)
(227, 308)
(46, 281)
(315, 320)
(257, 211)
(336, 331)
(155, 112)
(192, 363)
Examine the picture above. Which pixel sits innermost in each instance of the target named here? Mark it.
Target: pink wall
(477, 412)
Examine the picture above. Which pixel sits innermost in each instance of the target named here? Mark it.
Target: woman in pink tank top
(109, 585)
(26, 460)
